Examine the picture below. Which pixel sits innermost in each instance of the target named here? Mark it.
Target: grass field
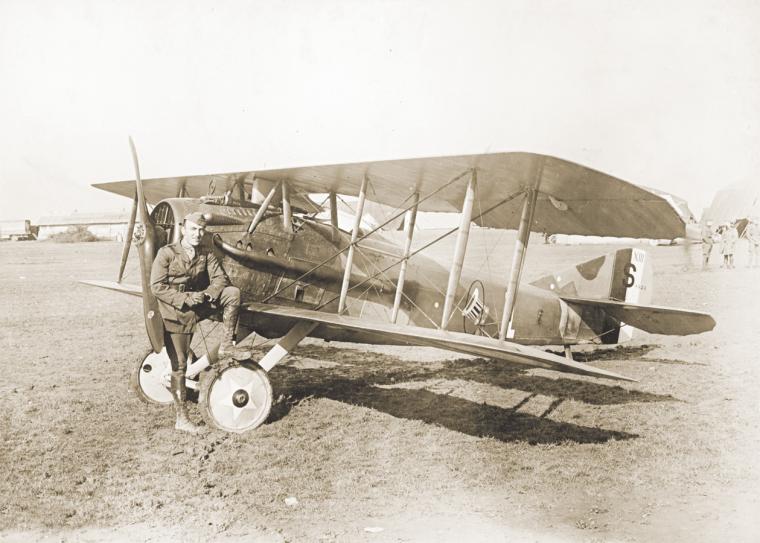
(379, 444)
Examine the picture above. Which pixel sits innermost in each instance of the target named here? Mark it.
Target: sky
(663, 94)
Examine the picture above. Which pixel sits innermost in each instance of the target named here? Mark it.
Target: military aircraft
(302, 275)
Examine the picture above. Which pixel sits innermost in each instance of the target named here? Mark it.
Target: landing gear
(150, 378)
(236, 398)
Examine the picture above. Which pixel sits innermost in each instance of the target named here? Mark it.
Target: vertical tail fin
(631, 282)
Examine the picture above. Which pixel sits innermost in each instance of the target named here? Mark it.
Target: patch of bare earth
(378, 444)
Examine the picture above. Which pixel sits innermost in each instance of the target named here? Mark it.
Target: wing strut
(518, 259)
(287, 215)
(460, 249)
(262, 210)
(354, 235)
(239, 190)
(334, 210)
(409, 219)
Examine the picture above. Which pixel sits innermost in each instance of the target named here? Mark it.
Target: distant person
(752, 233)
(719, 232)
(708, 240)
(190, 285)
(729, 237)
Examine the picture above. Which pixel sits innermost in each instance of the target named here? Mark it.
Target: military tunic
(174, 275)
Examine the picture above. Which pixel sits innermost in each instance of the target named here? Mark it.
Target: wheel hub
(240, 398)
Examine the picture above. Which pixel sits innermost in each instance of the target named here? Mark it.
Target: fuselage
(297, 266)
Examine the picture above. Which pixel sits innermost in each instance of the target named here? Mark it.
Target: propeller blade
(128, 239)
(142, 205)
(147, 248)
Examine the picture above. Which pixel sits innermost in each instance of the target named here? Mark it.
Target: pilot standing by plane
(190, 285)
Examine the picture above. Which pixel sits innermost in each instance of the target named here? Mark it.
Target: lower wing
(506, 351)
(134, 290)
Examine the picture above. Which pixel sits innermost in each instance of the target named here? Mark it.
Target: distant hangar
(105, 225)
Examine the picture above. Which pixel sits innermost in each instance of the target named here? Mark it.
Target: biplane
(302, 275)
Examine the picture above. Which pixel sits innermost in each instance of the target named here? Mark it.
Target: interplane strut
(352, 246)
(409, 219)
(460, 249)
(518, 258)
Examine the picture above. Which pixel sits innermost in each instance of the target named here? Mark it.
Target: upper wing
(195, 186)
(506, 351)
(573, 199)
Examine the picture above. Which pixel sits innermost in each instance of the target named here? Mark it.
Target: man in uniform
(752, 233)
(708, 238)
(190, 285)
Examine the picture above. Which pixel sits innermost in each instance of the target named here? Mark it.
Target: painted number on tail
(633, 277)
(629, 279)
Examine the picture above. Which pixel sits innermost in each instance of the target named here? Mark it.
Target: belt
(180, 287)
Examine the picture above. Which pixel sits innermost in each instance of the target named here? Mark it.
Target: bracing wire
(436, 240)
(363, 236)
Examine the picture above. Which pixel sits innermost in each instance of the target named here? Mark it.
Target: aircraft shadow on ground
(625, 352)
(619, 352)
(460, 415)
(356, 376)
(382, 369)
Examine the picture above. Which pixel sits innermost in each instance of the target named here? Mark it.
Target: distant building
(111, 225)
(19, 230)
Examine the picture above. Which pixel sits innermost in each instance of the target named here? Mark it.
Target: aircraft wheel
(236, 398)
(147, 379)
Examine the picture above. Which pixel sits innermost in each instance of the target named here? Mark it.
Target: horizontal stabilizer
(653, 319)
(134, 290)
(505, 351)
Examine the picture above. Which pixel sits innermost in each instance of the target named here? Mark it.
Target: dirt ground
(379, 444)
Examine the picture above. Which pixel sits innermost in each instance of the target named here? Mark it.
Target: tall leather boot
(230, 321)
(179, 395)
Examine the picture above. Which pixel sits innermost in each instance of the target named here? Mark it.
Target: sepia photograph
(379, 271)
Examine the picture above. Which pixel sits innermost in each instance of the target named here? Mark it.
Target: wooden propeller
(147, 248)
(128, 239)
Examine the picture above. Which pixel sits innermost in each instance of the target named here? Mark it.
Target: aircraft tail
(650, 318)
(622, 276)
